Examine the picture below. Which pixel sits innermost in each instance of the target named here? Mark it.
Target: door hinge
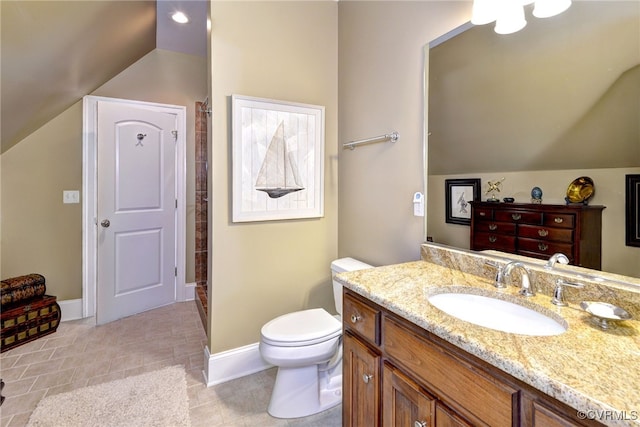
(175, 134)
(176, 203)
(175, 271)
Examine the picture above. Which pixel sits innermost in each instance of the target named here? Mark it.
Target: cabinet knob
(366, 378)
(543, 233)
(492, 239)
(558, 220)
(543, 247)
(516, 217)
(355, 318)
(420, 424)
(493, 227)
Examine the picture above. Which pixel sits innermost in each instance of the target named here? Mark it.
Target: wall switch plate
(70, 196)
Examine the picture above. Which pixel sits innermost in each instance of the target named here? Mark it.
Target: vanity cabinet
(539, 231)
(361, 387)
(396, 374)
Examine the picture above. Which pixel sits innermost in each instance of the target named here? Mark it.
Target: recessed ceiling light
(180, 17)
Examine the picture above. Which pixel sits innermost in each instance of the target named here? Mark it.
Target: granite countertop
(589, 369)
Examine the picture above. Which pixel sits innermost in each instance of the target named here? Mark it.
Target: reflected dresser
(539, 230)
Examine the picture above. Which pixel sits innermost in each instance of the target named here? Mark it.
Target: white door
(136, 210)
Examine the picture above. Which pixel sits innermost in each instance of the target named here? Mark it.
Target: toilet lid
(301, 328)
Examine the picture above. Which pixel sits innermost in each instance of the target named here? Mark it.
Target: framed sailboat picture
(278, 159)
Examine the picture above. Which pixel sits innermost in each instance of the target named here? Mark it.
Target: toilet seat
(301, 328)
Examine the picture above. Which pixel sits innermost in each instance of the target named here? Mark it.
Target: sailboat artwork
(277, 160)
(278, 175)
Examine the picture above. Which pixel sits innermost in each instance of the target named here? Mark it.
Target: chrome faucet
(526, 289)
(557, 257)
(498, 283)
(558, 294)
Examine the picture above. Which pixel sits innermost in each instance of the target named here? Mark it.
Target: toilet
(306, 346)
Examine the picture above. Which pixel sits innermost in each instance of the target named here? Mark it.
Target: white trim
(89, 199)
(232, 364)
(190, 291)
(451, 34)
(71, 309)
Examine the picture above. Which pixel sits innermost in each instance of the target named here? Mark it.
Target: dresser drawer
(546, 233)
(461, 386)
(559, 220)
(498, 242)
(495, 227)
(362, 318)
(518, 217)
(546, 248)
(482, 213)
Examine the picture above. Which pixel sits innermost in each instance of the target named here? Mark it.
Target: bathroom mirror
(556, 100)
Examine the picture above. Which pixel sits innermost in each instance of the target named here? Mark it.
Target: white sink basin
(497, 314)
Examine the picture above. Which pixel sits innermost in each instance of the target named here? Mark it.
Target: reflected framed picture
(458, 195)
(632, 215)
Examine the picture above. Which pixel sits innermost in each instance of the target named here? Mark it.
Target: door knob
(105, 223)
(366, 378)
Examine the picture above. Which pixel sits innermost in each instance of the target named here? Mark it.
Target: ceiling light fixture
(509, 14)
(548, 8)
(510, 18)
(180, 17)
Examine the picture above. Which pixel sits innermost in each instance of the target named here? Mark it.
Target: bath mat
(157, 398)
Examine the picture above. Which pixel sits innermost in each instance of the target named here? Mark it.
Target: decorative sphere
(536, 193)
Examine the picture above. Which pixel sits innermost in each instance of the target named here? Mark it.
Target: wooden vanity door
(360, 384)
(405, 403)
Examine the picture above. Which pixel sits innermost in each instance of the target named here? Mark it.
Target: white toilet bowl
(306, 346)
(302, 361)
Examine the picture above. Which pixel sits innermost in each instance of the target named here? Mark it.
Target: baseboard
(71, 309)
(232, 364)
(190, 291)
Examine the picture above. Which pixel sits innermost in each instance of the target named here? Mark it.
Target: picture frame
(632, 210)
(277, 159)
(458, 194)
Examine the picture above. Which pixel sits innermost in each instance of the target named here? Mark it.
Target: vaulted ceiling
(52, 53)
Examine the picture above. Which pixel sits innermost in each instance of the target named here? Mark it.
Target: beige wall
(258, 270)
(1, 276)
(381, 90)
(39, 232)
(609, 192)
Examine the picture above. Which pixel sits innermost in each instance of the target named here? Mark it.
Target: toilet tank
(339, 266)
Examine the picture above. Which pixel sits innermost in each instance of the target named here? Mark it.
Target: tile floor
(80, 354)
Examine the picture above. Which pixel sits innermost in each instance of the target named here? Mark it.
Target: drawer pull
(366, 378)
(516, 217)
(420, 424)
(355, 318)
(492, 239)
(482, 214)
(543, 233)
(543, 247)
(493, 227)
(558, 220)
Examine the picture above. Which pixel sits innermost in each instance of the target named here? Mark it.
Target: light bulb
(180, 18)
(548, 8)
(484, 11)
(511, 18)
